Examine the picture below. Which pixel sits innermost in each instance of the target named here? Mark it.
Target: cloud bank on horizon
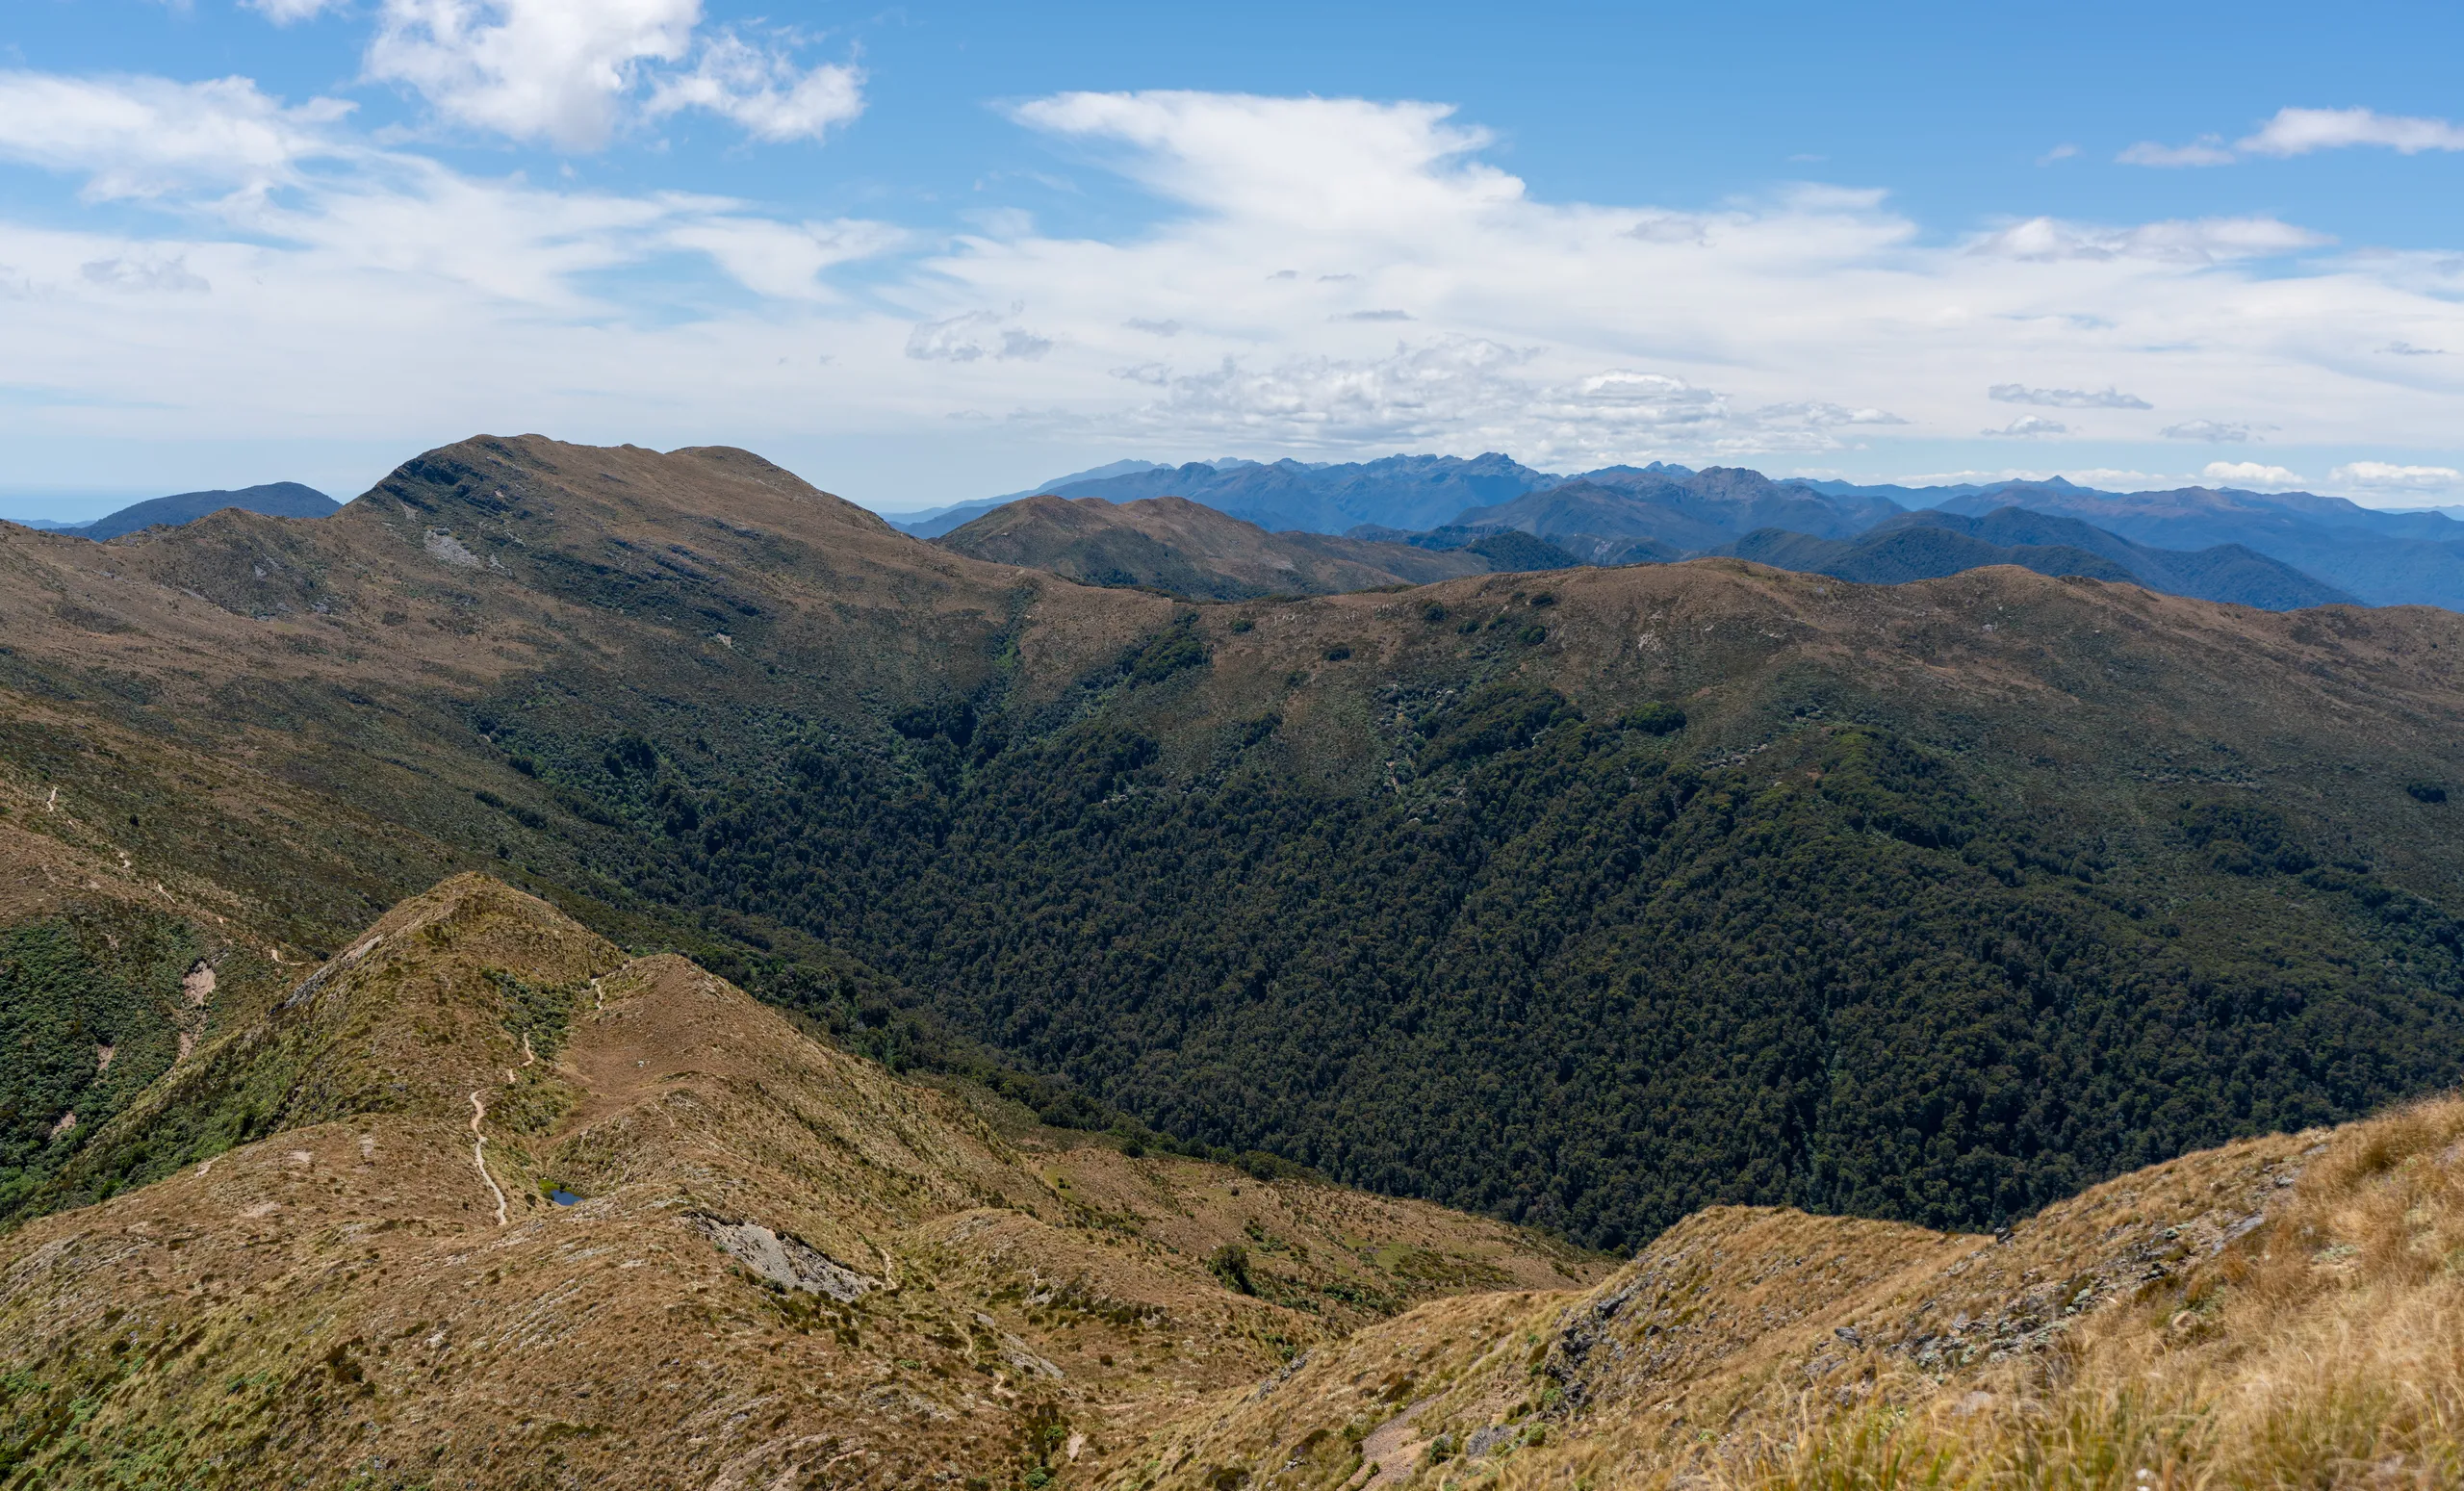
(1326, 276)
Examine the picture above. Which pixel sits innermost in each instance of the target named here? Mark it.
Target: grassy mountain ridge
(1947, 888)
(777, 1259)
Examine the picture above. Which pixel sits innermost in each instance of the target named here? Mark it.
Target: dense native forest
(1575, 971)
(86, 1027)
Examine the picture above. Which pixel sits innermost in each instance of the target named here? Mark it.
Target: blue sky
(933, 251)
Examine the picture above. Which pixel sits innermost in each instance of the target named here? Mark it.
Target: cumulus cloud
(763, 91)
(567, 71)
(2384, 476)
(2250, 475)
(2028, 427)
(2065, 398)
(2216, 432)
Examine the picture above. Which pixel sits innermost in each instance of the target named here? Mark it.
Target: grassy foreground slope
(1588, 899)
(2284, 1311)
(780, 1265)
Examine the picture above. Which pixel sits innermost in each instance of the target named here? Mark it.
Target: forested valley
(1564, 969)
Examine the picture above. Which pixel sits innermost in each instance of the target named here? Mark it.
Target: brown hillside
(783, 1262)
(2279, 1311)
(1171, 542)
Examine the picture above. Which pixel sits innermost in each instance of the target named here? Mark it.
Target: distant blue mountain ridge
(2276, 549)
(274, 498)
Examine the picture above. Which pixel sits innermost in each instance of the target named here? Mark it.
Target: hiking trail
(479, 1153)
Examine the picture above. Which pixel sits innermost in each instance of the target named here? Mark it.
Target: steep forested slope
(1567, 970)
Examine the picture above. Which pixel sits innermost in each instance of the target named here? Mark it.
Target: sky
(928, 252)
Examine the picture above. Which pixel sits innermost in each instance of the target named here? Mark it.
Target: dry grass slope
(780, 1264)
(2287, 1311)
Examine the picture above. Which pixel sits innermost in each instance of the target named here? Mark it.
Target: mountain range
(1182, 546)
(2385, 558)
(657, 829)
(1408, 491)
(1627, 515)
(1930, 544)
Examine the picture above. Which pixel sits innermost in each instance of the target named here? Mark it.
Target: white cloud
(531, 69)
(2065, 398)
(284, 13)
(2294, 132)
(143, 276)
(763, 91)
(2381, 476)
(149, 137)
(977, 334)
(2206, 150)
(2104, 479)
(786, 260)
(2180, 240)
(1816, 321)
(567, 71)
(1339, 163)
(1455, 390)
(2224, 433)
(2249, 475)
(2301, 131)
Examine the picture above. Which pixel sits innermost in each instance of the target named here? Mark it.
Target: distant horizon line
(27, 505)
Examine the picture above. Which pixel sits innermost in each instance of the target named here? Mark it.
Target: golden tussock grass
(2325, 1350)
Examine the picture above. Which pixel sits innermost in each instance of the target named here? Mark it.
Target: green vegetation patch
(535, 1012)
(90, 1009)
